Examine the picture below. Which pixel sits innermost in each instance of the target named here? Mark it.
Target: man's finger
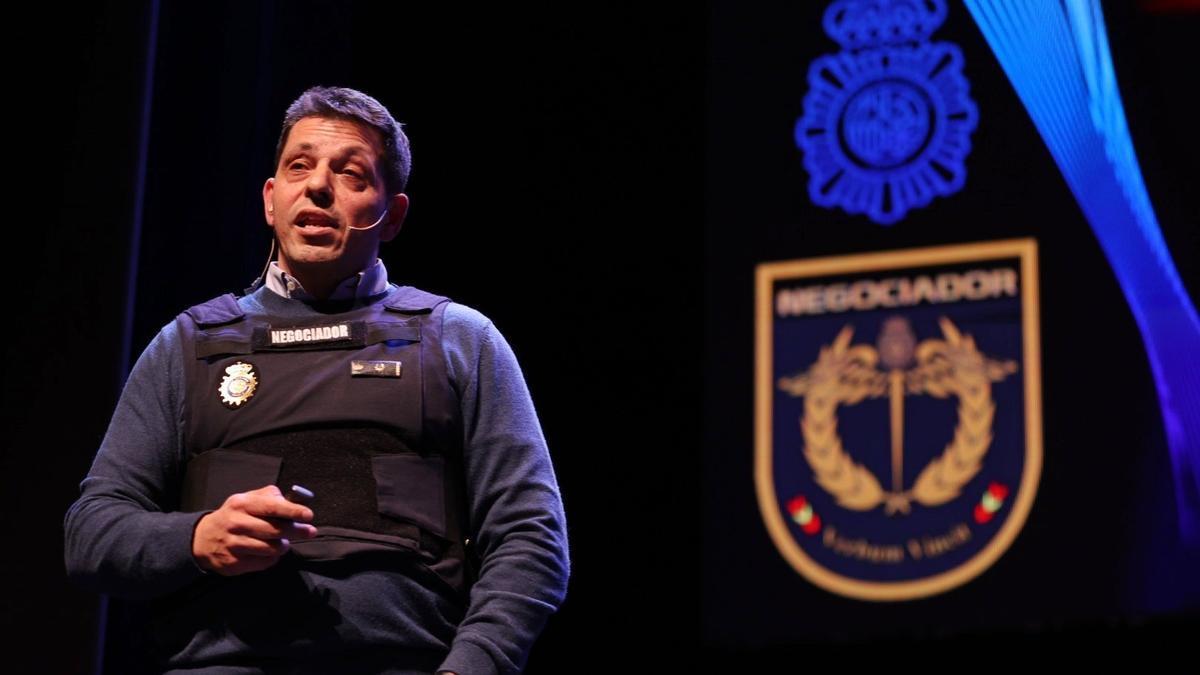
(279, 508)
(268, 502)
(249, 546)
(267, 491)
(271, 528)
(300, 531)
(253, 526)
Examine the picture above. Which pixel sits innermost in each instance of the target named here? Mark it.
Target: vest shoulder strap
(409, 300)
(216, 312)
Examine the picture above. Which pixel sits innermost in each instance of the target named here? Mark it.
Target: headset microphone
(271, 255)
(372, 225)
(262, 275)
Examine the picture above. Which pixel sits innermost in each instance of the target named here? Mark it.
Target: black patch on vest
(335, 462)
(345, 334)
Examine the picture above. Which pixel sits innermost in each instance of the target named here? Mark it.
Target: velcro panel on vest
(213, 476)
(340, 466)
(228, 340)
(405, 482)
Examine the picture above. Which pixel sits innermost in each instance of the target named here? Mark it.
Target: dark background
(601, 182)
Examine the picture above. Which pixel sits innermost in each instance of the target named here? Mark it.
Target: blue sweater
(122, 540)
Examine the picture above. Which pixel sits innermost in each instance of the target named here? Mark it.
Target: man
(434, 537)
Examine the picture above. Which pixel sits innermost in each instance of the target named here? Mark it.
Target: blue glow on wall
(887, 121)
(1056, 55)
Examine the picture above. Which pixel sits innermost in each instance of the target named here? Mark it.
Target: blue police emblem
(887, 122)
(898, 434)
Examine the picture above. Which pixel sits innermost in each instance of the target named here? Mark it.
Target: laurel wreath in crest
(846, 374)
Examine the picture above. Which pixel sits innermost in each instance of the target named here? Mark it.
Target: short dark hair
(355, 106)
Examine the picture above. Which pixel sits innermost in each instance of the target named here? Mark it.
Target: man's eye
(354, 179)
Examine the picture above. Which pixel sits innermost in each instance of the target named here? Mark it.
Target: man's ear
(397, 210)
(268, 205)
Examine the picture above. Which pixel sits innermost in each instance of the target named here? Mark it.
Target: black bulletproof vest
(356, 406)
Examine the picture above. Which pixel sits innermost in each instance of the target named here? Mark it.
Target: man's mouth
(315, 221)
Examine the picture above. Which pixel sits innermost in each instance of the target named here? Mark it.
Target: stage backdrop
(929, 414)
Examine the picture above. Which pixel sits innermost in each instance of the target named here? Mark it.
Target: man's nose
(318, 188)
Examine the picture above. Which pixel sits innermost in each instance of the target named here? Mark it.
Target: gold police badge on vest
(239, 384)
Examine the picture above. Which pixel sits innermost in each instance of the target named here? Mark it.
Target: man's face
(329, 178)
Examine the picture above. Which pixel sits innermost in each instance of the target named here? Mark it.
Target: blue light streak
(1056, 55)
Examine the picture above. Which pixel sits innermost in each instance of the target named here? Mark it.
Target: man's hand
(250, 532)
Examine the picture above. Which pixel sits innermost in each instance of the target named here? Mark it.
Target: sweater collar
(369, 282)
